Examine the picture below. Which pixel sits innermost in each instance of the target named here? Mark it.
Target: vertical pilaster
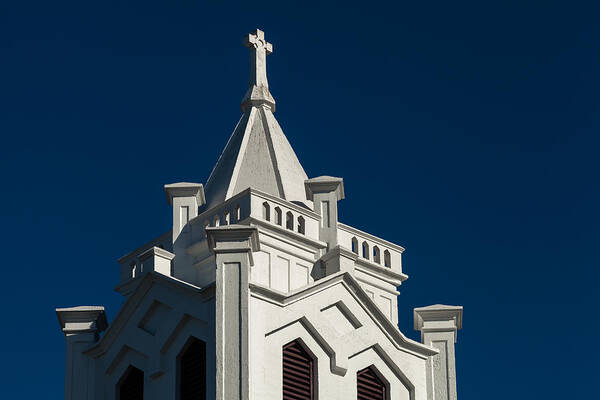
(438, 325)
(325, 192)
(233, 246)
(81, 327)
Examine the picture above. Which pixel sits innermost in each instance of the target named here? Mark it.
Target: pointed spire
(258, 87)
(257, 155)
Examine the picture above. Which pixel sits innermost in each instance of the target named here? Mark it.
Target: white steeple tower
(260, 292)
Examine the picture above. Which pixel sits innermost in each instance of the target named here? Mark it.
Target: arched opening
(369, 386)
(387, 258)
(278, 216)
(355, 245)
(289, 221)
(226, 218)
(266, 211)
(297, 372)
(301, 228)
(131, 385)
(376, 255)
(365, 250)
(237, 213)
(191, 371)
(216, 220)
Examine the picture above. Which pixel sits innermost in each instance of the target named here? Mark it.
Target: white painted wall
(344, 339)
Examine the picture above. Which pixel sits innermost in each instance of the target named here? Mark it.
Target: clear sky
(465, 131)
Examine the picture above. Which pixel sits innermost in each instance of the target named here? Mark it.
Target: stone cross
(259, 49)
(258, 88)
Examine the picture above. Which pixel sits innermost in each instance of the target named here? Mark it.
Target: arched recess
(191, 371)
(365, 250)
(301, 226)
(227, 217)
(278, 216)
(289, 221)
(237, 212)
(298, 371)
(355, 245)
(266, 211)
(387, 259)
(376, 255)
(131, 384)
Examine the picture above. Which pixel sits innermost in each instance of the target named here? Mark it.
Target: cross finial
(258, 87)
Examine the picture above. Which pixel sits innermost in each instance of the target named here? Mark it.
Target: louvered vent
(297, 373)
(131, 386)
(192, 369)
(369, 386)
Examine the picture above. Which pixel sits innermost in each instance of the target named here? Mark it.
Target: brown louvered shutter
(192, 369)
(131, 385)
(369, 386)
(297, 373)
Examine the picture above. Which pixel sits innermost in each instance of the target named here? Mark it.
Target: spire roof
(258, 154)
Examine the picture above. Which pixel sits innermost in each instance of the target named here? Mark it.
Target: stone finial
(258, 87)
(185, 197)
(325, 192)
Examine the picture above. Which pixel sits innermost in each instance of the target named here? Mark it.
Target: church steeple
(258, 154)
(258, 87)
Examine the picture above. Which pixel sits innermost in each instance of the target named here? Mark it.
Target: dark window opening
(131, 385)
(297, 373)
(369, 386)
(192, 371)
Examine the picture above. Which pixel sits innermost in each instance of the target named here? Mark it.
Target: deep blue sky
(466, 131)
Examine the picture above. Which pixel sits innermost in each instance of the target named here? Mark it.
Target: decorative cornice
(324, 184)
(185, 189)
(373, 238)
(265, 225)
(288, 204)
(233, 239)
(393, 277)
(438, 313)
(82, 319)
